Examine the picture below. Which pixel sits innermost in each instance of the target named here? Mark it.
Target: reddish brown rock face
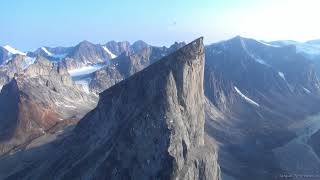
(40, 116)
(38, 101)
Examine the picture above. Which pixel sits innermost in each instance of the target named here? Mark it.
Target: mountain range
(239, 109)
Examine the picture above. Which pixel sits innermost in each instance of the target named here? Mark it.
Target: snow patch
(12, 50)
(267, 44)
(42, 131)
(84, 83)
(245, 97)
(57, 56)
(65, 105)
(259, 60)
(46, 51)
(282, 75)
(27, 62)
(85, 70)
(109, 52)
(306, 90)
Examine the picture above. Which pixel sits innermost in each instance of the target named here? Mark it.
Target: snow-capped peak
(12, 50)
(46, 51)
(109, 52)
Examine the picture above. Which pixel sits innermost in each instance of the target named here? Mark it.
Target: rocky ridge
(161, 138)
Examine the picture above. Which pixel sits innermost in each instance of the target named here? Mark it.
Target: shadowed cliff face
(150, 126)
(255, 94)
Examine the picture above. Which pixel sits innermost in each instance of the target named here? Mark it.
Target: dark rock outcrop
(149, 126)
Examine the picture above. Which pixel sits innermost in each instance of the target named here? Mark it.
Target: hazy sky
(28, 24)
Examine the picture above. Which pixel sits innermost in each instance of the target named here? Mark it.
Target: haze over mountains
(239, 109)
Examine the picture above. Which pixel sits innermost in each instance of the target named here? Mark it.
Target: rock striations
(149, 126)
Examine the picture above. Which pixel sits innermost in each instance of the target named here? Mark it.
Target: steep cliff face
(149, 126)
(17, 64)
(37, 99)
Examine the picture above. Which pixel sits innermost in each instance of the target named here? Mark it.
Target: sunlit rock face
(36, 100)
(149, 126)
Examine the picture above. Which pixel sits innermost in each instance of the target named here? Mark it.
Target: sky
(29, 24)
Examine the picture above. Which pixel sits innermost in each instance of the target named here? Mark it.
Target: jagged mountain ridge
(42, 96)
(255, 92)
(87, 53)
(162, 139)
(128, 64)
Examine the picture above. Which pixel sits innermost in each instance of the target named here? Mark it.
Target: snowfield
(12, 50)
(85, 70)
(27, 62)
(109, 52)
(46, 51)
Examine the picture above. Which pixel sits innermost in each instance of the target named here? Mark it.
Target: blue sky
(28, 24)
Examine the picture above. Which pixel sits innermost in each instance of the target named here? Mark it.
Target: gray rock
(149, 126)
(119, 47)
(129, 63)
(85, 53)
(248, 134)
(41, 97)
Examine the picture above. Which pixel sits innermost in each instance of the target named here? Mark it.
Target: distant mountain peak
(139, 45)
(85, 42)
